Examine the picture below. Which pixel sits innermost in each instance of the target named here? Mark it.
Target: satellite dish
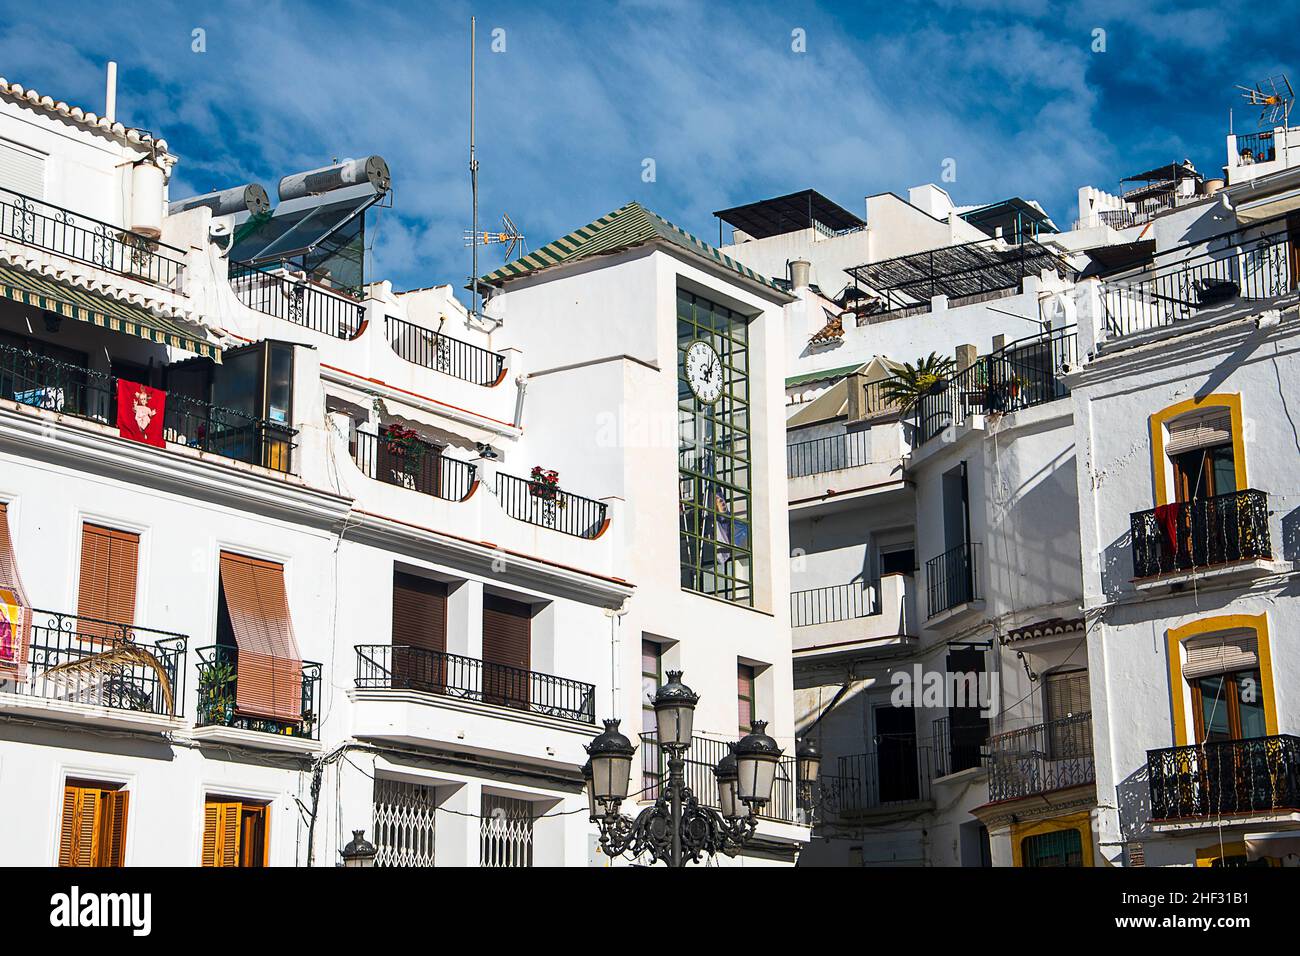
(1274, 96)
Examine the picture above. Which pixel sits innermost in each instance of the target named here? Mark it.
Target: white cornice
(433, 407)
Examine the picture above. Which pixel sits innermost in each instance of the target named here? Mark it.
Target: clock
(704, 371)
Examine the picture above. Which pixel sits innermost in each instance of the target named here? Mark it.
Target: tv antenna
(508, 235)
(473, 163)
(1274, 96)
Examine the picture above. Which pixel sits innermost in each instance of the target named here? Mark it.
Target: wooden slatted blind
(507, 640)
(1067, 694)
(106, 589)
(1221, 654)
(93, 831)
(745, 697)
(1199, 430)
(15, 608)
(268, 681)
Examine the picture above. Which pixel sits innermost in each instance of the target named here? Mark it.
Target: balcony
(1201, 534)
(1209, 781)
(417, 465)
(703, 756)
(1054, 755)
(889, 778)
(960, 746)
(98, 672)
(297, 299)
(1022, 374)
(218, 719)
(445, 354)
(1203, 280)
(952, 580)
(548, 506)
(41, 382)
(42, 225)
(848, 617)
(839, 602)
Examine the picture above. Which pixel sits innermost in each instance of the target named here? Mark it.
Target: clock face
(704, 372)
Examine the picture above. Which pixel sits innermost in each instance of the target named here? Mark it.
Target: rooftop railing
(1261, 146)
(423, 468)
(1053, 755)
(90, 661)
(1256, 775)
(550, 507)
(700, 760)
(44, 225)
(218, 667)
(1201, 533)
(383, 666)
(298, 300)
(43, 382)
(839, 602)
(442, 353)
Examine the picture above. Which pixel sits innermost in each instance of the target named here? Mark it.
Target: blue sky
(583, 93)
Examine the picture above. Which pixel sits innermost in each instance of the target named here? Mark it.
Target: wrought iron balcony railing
(952, 578)
(1201, 533)
(219, 682)
(85, 660)
(1022, 374)
(297, 300)
(958, 747)
(839, 602)
(831, 453)
(389, 667)
(442, 353)
(1255, 265)
(899, 772)
(1257, 775)
(1262, 146)
(427, 471)
(1049, 756)
(43, 225)
(43, 382)
(550, 507)
(703, 756)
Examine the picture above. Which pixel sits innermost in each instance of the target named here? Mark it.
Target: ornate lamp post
(677, 828)
(809, 759)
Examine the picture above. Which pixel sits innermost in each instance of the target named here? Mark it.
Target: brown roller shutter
(106, 589)
(507, 651)
(15, 609)
(419, 632)
(268, 681)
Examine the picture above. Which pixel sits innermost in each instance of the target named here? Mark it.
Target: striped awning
(73, 303)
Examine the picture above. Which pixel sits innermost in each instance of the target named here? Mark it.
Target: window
(651, 677)
(419, 632)
(404, 823)
(1066, 696)
(235, 833)
(253, 620)
(93, 831)
(1059, 848)
(507, 651)
(1227, 694)
(745, 696)
(900, 561)
(1200, 447)
(714, 455)
(106, 588)
(505, 832)
(21, 172)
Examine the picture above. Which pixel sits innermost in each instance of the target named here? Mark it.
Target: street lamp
(809, 759)
(359, 851)
(677, 828)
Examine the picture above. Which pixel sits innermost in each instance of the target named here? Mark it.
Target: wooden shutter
(113, 839)
(93, 829)
(268, 681)
(1199, 430)
(745, 696)
(253, 836)
(419, 632)
(221, 832)
(106, 590)
(1220, 654)
(507, 640)
(1067, 694)
(15, 609)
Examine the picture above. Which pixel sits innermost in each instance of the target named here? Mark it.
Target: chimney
(110, 93)
(799, 269)
(966, 357)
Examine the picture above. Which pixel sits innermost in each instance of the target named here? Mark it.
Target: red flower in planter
(544, 483)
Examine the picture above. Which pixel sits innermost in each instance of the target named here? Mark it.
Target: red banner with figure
(140, 412)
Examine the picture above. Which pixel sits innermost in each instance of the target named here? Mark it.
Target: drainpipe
(521, 381)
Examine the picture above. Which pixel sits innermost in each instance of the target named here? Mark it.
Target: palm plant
(908, 383)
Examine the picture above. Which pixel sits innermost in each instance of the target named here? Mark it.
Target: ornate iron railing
(1022, 374)
(427, 471)
(838, 602)
(1257, 775)
(451, 675)
(296, 300)
(219, 681)
(831, 453)
(1049, 756)
(550, 507)
(442, 353)
(703, 756)
(952, 578)
(1250, 266)
(1201, 533)
(889, 776)
(86, 660)
(43, 382)
(44, 225)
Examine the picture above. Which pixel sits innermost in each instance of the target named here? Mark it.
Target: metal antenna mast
(473, 160)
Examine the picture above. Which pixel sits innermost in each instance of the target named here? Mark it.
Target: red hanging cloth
(140, 411)
(1167, 519)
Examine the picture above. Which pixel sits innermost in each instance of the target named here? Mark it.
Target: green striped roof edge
(73, 303)
(827, 375)
(624, 228)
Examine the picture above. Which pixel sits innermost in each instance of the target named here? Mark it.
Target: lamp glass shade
(728, 799)
(757, 774)
(810, 761)
(611, 764)
(674, 705)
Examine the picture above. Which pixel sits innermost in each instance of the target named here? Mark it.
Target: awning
(74, 303)
(268, 681)
(1278, 845)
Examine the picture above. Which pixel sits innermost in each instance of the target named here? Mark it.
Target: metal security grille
(506, 833)
(404, 823)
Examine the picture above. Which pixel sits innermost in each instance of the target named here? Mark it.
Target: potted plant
(544, 483)
(406, 447)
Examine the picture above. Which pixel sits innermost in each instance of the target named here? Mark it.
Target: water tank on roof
(351, 172)
(251, 198)
(146, 199)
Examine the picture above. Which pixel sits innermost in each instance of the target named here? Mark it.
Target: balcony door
(895, 744)
(1204, 467)
(419, 633)
(1228, 712)
(507, 651)
(107, 584)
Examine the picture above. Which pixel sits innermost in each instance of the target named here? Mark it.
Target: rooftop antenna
(508, 235)
(473, 159)
(1274, 96)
